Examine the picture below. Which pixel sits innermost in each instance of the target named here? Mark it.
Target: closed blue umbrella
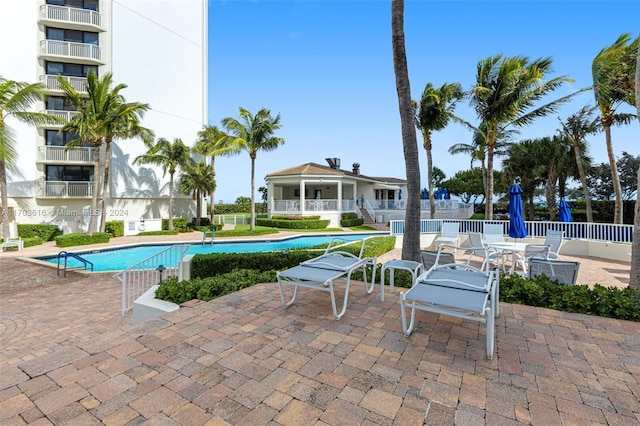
(399, 194)
(439, 194)
(425, 193)
(445, 194)
(516, 221)
(564, 212)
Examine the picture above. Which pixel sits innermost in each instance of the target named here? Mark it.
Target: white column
(303, 185)
(339, 197)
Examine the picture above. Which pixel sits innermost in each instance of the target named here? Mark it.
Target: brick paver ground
(67, 357)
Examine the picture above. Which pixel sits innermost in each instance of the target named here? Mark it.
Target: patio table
(414, 268)
(510, 247)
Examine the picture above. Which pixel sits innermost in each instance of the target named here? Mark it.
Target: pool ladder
(65, 255)
(204, 235)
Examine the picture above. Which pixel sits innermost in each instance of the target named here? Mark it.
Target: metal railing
(64, 154)
(70, 14)
(576, 230)
(71, 49)
(65, 189)
(139, 278)
(52, 83)
(66, 115)
(67, 254)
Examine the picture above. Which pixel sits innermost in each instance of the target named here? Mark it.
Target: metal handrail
(66, 255)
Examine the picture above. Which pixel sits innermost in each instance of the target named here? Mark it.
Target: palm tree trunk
(212, 193)
(634, 274)
(105, 186)
(252, 226)
(550, 192)
(488, 210)
(94, 193)
(432, 199)
(615, 177)
(411, 239)
(5, 201)
(170, 224)
(198, 207)
(583, 182)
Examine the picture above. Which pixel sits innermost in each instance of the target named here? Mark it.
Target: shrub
(350, 215)
(304, 223)
(45, 232)
(30, 242)
(204, 221)
(179, 224)
(294, 217)
(80, 239)
(244, 231)
(351, 222)
(115, 228)
(164, 232)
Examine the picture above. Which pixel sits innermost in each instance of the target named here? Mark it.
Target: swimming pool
(118, 259)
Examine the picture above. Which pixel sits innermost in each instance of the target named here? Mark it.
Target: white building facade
(157, 48)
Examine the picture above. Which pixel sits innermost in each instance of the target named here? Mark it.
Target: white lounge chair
(531, 251)
(487, 254)
(320, 273)
(554, 240)
(564, 271)
(450, 234)
(13, 240)
(458, 290)
(493, 233)
(434, 258)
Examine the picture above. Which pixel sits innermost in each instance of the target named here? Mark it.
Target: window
(70, 173)
(59, 103)
(55, 138)
(71, 70)
(78, 4)
(74, 36)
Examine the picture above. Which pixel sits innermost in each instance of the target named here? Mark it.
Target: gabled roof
(318, 169)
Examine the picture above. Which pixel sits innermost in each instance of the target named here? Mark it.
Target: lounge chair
(487, 254)
(434, 258)
(320, 273)
(450, 233)
(458, 290)
(493, 233)
(554, 240)
(13, 240)
(564, 271)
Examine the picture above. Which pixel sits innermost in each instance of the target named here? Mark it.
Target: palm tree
(197, 180)
(550, 158)
(411, 240)
(634, 273)
(520, 165)
(170, 156)
(576, 128)
(103, 116)
(16, 99)
(433, 113)
(505, 93)
(612, 86)
(252, 134)
(213, 142)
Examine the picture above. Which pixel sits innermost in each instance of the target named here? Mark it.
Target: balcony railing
(70, 49)
(67, 115)
(71, 15)
(65, 189)
(61, 154)
(51, 82)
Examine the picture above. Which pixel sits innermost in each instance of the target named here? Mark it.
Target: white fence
(576, 230)
(138, 278)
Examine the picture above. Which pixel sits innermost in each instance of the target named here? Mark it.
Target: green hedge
(80, 239)
(351, 222)
(294, 217)
(293, 224)
(43, 231)
(179, 224)
(115, 228)
(174, 232)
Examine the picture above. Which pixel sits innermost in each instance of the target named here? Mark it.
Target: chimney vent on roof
(334, 163)
(356, 168)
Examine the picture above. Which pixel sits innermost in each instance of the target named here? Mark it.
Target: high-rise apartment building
(158, 48)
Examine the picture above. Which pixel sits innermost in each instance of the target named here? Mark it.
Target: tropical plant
(16, 99)
(505, 93)
(520, 164)
(197, 180)
(213, 142)
(103, 115)
(411, 240)
(433, 113)
(613, 71)
(252, 134)
(170, 156)
(634, 274)
(576, 128)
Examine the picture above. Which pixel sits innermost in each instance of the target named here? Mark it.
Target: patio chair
(432, 258)
(563, 271)
(457, 290)
(487, 254)
(531, 251)
(13, 240)
(493, 233)
(450, 234)
(554, 240)
(320, 273)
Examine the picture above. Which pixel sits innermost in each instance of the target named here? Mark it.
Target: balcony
(70, 17)
(66, 115)
(80, 52)
(64, 189)
(52, 84)
(61, 154)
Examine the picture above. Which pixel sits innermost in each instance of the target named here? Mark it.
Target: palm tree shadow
(146, 185)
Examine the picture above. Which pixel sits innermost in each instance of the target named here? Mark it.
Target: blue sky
(326, 67)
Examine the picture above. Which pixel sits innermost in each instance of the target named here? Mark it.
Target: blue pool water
(122, 258)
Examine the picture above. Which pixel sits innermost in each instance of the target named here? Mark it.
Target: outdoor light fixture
(160, 269)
